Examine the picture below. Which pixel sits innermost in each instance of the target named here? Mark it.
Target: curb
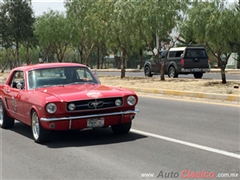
(223, 97)
(230, 71)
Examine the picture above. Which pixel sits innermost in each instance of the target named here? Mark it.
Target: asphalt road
(205, 76)
(170, 137)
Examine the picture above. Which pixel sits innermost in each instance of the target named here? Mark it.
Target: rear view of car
(195, 61)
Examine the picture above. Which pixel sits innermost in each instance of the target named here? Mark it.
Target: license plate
(98, 122)
(196, 69)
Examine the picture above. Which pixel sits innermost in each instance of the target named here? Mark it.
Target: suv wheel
(172, 73)
(147, 71)
(198, 75)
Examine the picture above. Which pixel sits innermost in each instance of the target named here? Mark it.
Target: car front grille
(94, 104)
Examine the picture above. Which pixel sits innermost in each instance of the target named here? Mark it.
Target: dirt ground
(181, 84)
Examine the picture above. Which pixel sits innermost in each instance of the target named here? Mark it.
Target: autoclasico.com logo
(188, 174)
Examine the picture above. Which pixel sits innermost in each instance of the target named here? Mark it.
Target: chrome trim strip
(89, 116)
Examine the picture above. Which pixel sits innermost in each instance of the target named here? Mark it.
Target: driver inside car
(70, 75)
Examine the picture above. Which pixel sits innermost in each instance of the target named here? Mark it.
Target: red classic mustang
(63, 96)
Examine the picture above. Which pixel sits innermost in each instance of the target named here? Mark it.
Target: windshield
(60, 76)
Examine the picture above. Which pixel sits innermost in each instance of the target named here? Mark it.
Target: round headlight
(71, 106)
(51, 108)
(118, 102)
(131, 100)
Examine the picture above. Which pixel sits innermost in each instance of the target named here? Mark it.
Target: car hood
(86, 91)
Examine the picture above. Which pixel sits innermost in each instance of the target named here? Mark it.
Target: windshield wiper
(74, 83)
(44, 86)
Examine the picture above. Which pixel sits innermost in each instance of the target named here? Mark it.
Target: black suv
(181, 60)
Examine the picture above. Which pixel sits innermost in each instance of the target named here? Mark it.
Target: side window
(172, 54)
(175, 54)
(17, 80)
(179, 53)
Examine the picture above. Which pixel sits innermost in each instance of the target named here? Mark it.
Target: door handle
(8, 90)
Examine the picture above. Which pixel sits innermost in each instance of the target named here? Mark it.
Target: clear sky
(40, 6)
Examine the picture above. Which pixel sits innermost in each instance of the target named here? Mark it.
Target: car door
(13, 95)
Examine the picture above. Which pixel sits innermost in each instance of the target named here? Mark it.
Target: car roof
(47, 65)
(178, 49)
(183, 48)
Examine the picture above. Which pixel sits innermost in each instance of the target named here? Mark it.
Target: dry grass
(181, 84)
(195, 85)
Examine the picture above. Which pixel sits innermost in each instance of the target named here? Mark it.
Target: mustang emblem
(95, 104)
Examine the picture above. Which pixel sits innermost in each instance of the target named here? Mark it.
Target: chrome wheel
(35, 126)
(147, 71)
(171, 72)
(1, 113)
(40, 134)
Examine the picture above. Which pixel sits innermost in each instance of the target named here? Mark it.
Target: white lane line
(217, 151)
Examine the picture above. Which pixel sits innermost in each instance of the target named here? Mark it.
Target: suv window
(173, 54)
(201, 53)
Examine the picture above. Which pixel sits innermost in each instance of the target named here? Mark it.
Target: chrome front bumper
(90, 116)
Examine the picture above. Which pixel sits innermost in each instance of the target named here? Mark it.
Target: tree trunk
(222, 67)
(17, 54)
(58, 57)
(27, 55)
(162, 65)
(80, 54)
(102, 62)
(123, 68)
(224, 81)
(140, 63)
(86, 60)
(98, 57)
(162, 69)
(4, 66)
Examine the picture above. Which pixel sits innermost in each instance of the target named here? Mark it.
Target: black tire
(40, 135)
(147, 71)
(198, 75)
(122, 128)
(6, 122)
(172, 73)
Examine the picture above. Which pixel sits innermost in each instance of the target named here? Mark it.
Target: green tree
(54, 33)
(6, 39)
(121, 29)
(151, 22)
(18, 23)
(215, 24)
(85, 19)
